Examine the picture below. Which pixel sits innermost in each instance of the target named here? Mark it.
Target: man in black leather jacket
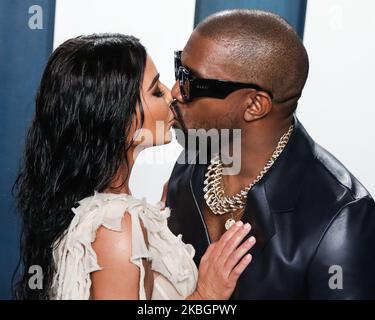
(313, 221)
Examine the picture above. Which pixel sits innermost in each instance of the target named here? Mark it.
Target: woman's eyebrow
(154, 81)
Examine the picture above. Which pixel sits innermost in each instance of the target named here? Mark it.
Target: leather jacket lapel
(258, 214)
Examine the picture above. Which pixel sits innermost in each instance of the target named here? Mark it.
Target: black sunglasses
(192, 87)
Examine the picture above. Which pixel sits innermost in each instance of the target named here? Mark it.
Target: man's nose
(176, 93)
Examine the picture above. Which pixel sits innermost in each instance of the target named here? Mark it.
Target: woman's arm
(119, 278)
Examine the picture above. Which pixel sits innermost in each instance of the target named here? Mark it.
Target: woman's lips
(172, 117)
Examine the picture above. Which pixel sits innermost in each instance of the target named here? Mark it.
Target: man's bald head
(261, 48)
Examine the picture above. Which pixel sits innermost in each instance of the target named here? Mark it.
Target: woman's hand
(223, 263)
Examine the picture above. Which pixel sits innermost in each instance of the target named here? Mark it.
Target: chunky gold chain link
(214, 193)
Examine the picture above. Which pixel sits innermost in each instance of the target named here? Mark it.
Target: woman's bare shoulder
(118, 277)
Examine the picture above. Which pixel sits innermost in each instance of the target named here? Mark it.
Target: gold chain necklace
(214, 193)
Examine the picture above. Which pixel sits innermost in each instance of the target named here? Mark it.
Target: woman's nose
(167, 93)
(168, 96)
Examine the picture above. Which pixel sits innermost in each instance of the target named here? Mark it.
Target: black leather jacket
(313, 221)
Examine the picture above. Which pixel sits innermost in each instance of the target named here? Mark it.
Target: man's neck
(258, 143)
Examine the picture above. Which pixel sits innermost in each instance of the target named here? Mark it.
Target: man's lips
(173, 106)
(178, 120)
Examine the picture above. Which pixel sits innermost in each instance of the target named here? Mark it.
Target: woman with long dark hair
(90, 237)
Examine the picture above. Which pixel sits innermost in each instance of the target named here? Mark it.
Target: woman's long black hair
(85, 107)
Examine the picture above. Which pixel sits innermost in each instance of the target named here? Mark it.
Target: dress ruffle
(75, 258)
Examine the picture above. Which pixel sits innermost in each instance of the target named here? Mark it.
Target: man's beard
(189, 139)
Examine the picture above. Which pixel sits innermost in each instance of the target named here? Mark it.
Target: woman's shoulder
(101, 232)
(108, 209)
(102, 208)
(118, 277)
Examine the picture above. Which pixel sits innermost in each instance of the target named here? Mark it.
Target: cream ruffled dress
(171, 258)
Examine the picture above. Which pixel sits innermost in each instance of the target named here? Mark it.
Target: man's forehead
(205, 57)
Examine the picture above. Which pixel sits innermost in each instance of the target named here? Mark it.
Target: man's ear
(258, 105)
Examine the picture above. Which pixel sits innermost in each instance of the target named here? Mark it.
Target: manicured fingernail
(251, 239)
(247, 226)
(239, 223)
